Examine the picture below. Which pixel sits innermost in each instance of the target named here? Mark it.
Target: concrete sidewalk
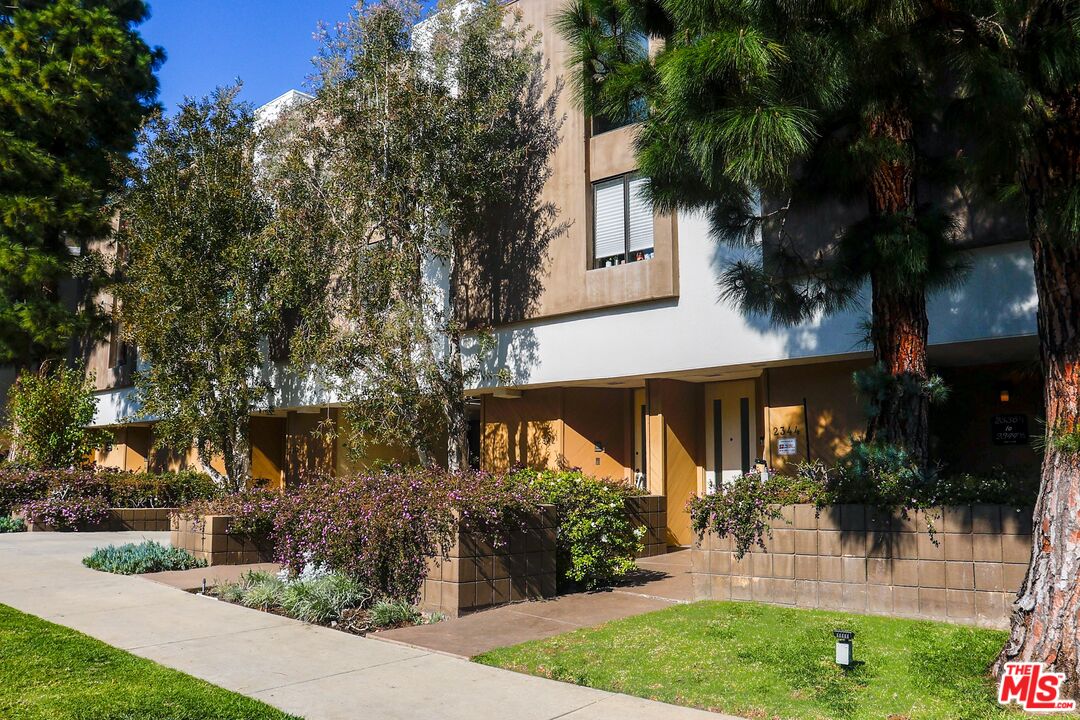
(315, 672)
(658, 583)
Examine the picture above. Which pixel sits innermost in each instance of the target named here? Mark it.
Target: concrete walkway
(315, 672)
(659, 582)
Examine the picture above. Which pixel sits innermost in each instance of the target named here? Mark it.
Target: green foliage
(62, 675)
(879, 475)
(12, 524)
(48, 412)
(875, 386)
(196, 297)
(761, 661)
(416, 171)
(596, 542)
(736, 130)
(320, 599)
(76, 81)
(172, 489)
(135, 559)
(394, 613)
(745, 508)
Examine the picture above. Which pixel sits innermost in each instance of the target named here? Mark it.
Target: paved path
(660, 582)
(315, 672)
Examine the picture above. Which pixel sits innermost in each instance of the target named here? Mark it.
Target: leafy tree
(195, 293)
(422, 155)
(48, 413)
(1021, 76)
(761, 114)
(76, 81)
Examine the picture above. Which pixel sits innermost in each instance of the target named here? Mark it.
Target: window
(636, 49)
(622, 222)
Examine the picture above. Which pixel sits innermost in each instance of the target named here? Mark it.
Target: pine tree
(1020, 65)
(757, 112)
(76, 81)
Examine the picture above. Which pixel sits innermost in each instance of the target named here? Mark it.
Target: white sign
(786, 446)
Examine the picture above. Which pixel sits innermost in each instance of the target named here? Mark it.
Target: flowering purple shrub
(381, 527)
(253, 512)
(118, 488)
(65, 511)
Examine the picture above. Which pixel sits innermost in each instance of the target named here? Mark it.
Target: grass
(49, 672)
(762, 661)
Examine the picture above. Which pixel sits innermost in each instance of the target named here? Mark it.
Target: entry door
(730, 430)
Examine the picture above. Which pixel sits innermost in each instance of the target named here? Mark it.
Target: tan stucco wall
(130, 449)
(833, 412)
(568, 283)
(267, 438)
(680, 408)
(305, 450)
(549, 428)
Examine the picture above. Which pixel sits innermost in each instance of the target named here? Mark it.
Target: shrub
(116, 488)
(11, 524)
(157, 490)
(394, 613)
(253, 512)
(380, 528)
(48, 413)
(322, 599)
(596, 541)
(18, 486)
(134, 559)
(62, 511)
(999, 486)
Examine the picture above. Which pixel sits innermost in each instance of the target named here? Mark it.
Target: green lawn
(762, 661)
(54, 673)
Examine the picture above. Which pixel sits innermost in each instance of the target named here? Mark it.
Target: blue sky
(266, 43)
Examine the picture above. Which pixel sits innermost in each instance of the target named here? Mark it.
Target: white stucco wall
(699, 331)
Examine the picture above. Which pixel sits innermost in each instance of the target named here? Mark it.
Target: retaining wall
(207, 538)
(121, 519)
(482, 572)
(848, 557)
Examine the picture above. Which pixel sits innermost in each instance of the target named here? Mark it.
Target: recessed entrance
(730, 429)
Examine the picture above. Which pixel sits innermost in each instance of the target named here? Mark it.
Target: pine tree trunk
(899, 324)
(1046, 615)
(899, 332)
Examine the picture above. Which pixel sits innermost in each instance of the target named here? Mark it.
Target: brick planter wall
(479, 574)
(121, 519)
(208, 538)
(849, 558)
(650, 512)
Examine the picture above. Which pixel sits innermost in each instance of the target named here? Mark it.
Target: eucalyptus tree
(195, 280)
(1020, 64)
(424, 149)
(77, 80)
(756, 114)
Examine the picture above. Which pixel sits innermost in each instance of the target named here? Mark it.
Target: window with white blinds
(609, 238)
(622, 222)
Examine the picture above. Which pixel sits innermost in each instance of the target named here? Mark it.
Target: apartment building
(628, 364)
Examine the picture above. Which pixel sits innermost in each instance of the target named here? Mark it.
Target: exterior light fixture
(1003, 393)
(843, 647)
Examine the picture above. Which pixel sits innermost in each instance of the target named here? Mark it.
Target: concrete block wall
(650, 512)
(481, 572)
(121, 519)
(848, 557)
(207, 537)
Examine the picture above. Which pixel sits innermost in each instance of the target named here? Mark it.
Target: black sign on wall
(1009, 429)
